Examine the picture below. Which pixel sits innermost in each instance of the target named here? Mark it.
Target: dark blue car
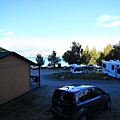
(79, 102)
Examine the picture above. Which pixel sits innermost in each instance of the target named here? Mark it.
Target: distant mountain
(35, 52)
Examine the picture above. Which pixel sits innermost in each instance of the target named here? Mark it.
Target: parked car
(35, 67)
(76, 69)
(50, 66)
(90, 65)
(65, 67)
(78, 102)
(97, 70)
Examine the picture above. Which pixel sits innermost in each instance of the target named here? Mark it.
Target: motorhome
(75, 69)
(111, 68)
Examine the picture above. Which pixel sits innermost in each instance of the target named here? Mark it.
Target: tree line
(76, 55)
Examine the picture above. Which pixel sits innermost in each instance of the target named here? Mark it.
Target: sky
(29, 27)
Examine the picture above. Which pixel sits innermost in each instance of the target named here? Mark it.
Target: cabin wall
(14, 78)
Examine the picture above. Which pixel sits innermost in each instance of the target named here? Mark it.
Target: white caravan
(75, 69)
(111, 68)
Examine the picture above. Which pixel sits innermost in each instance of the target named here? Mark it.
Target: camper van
(111, 68)
(75, 69)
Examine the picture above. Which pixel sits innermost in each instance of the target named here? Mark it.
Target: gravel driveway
(40, 109)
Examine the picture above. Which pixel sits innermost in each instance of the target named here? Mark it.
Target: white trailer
(75, 69)
(111, 68)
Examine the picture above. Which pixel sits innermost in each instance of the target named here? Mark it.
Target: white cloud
(108, 21)
(29, 45)
(1, 30)
(25, 45)
(99, 42)
(10, 33)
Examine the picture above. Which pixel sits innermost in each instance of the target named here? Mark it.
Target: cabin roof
(7, 53)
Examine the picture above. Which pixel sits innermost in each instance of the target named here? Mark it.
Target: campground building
(15, 76)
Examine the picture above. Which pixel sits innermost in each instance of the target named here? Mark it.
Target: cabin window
(112, 67)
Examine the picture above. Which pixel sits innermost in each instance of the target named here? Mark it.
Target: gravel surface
(35, 105)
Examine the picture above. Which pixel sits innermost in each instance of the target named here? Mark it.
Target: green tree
(119, 43)
(2, 49)
(113, 53)
(53, 59)
(105, 54)
(85, 58)
(40, 59)
(94, 56)
(116, 52)
(73, 56)
(100, 59)
(107, 49)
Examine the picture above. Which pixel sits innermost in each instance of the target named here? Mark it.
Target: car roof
(75, 88)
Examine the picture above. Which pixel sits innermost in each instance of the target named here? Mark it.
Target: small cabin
(14, 75)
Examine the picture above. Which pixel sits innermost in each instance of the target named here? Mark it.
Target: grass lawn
(83, 76)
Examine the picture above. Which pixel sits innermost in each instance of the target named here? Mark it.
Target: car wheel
(108, 105)
(83, 117)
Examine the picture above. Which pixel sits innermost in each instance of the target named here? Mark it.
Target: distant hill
(35, 52)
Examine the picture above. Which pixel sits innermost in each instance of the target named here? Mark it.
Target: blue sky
(41, 26)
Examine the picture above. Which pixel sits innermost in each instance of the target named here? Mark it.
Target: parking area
(112, 86)
(41, 99)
